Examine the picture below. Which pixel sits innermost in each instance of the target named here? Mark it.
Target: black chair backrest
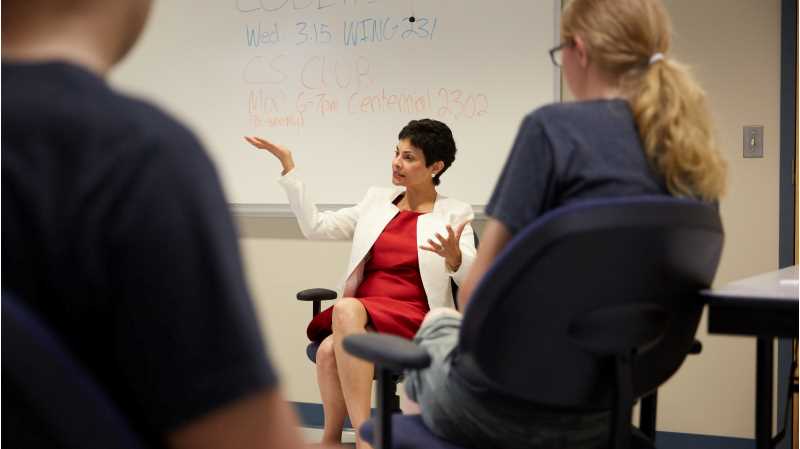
(55, 390)
(626, 261)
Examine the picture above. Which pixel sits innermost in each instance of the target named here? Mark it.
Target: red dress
(392, 290)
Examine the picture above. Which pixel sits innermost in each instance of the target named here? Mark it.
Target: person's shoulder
(547, 113)
(95, 110)
(577, 114)
(73, 108)
(456, 207)
(453, 203)
(539, 118)
(148, 137)
(381, 193)
(161, 157)
(155, 126)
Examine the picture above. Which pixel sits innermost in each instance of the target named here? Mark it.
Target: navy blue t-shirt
(571, 151)
(115, 231)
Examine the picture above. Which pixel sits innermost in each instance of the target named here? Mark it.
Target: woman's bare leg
(350, 317)
(330, 389)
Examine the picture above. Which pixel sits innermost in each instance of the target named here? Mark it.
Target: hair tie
(656, 57)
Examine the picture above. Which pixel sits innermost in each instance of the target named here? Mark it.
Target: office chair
(604, 293)
(50, 388)
(317, 295)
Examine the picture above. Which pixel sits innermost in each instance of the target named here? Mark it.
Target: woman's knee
(326, 357)
(349, 313)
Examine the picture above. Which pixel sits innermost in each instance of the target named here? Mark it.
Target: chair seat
(410, 432)
(311, 351)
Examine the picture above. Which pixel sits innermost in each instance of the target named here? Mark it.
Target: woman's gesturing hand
(448, 247)
(282, 153)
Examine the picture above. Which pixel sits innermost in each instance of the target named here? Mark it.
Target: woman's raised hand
(448, 247)
(282, 153)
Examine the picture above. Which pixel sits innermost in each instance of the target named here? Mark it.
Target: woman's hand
(448, 247)
(282, 153)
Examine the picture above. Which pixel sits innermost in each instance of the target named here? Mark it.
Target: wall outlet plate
(753, 141)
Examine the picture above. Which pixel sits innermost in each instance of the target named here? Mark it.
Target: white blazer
(365, 221)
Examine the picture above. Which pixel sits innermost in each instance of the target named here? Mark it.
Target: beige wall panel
(280, 262)
(733, 47)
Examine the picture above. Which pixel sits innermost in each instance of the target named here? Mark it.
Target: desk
(766, 307)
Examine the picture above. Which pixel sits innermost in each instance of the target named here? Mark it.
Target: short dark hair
(435, 140)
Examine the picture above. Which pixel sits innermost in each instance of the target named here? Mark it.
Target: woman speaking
(408, 242)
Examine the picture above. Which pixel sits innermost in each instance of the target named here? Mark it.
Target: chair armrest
(387, 351)
(316, 294)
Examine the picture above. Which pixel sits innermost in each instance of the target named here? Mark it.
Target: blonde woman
(640, 126)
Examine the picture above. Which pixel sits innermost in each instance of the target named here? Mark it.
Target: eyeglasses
(555, 52)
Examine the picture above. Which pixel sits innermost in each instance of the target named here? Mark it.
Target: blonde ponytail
(675, 128)
(668, 105)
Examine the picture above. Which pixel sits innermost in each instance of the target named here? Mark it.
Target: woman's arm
(315, 225)
(457, 246)
(280, 152)
(495, 237)
(466, 246)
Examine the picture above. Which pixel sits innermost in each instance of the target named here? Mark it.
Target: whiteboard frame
(282, 210)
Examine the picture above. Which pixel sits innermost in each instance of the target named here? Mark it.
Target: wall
(733, 47)
(279, 263)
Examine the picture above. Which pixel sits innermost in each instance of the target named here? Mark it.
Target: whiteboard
(336, 80)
